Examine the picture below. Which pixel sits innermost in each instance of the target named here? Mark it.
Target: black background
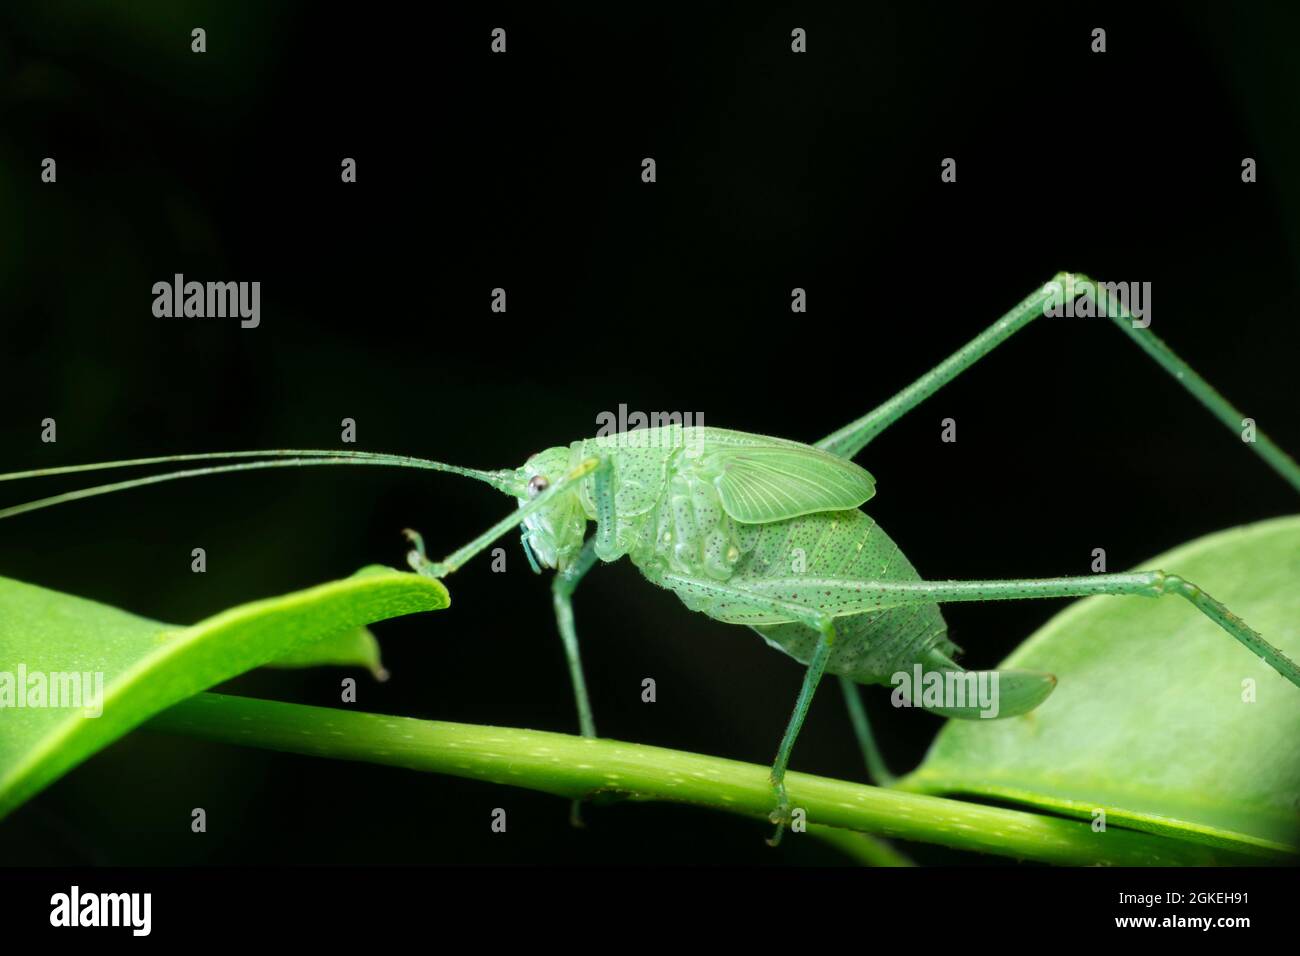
(775, 170)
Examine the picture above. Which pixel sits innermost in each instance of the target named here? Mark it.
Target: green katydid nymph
(767, 533)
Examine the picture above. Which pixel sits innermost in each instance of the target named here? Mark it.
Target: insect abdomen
(869, 647)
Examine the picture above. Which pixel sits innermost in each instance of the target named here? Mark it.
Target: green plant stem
(573, 767)
(863, 848)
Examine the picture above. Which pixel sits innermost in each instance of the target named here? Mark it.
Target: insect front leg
(562, 587)
(420, 563)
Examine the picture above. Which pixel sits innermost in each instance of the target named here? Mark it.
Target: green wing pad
(772, 483)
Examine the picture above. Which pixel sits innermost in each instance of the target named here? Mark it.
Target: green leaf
(356, 648)
(1149, 721)
(147, 666)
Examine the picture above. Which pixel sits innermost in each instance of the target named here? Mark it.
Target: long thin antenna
(493, 478)
(504, 480)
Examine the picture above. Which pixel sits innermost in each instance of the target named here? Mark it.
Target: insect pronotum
(715, 515)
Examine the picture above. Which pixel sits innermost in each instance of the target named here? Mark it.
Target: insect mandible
(767, 533)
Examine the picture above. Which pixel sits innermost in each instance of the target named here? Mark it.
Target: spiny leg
(855, 436)
(877, 771)
(562, 587)
(812, 677)
(1140, 583)
(778, 609)
(564, 583)
(416, 558)
(567, 579)
(841, 596)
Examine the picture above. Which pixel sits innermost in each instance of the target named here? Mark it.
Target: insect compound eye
(536, 485)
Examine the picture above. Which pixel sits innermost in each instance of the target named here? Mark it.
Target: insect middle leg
(812, 677)
(785, 611)
(564, 485)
